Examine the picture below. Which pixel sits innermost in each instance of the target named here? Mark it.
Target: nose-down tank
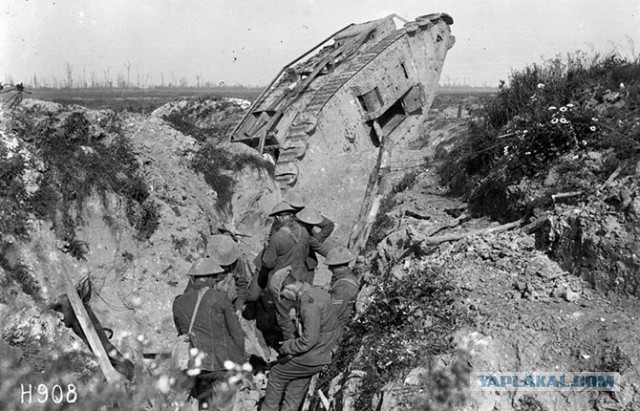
(329, 117)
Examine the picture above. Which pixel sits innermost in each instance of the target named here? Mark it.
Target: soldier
(323, 229)
(227, 254)
(216, 333)
(287, 247)
(344, 284)
(309, 219)
(306, 355)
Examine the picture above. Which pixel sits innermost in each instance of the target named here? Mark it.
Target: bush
(218, 165)
(547, 111)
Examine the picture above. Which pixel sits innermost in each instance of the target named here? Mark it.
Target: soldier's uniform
(344, 291)
(216, 332)
(310, 352)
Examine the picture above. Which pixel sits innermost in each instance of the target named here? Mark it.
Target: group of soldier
(302, 322)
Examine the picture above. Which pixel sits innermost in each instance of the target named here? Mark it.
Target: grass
(406, 324)
(218, 167)
(136, 100)
(61, 160)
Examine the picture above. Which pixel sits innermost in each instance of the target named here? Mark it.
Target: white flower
(592, 128)
(564, 120)
(163, 384)
(192, 372)
(554, 120)
(595, 120)
(584, 142)
(570, 105)
(622, 85)
(246, 367)
(540, 85)
(193, 352)
(229, 365)
(563, 109)
(552, 107)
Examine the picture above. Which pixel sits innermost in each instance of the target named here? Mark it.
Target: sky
(248, 41)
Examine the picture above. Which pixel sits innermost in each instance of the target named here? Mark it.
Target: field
(144, 101)
(137, 100)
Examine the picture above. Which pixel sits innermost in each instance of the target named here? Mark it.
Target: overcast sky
(248, 41)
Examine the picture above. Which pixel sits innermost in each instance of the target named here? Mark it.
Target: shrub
(561, 106)
(217, 165)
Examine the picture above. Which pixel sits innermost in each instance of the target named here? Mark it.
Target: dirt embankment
(135, 245)
(557, 295)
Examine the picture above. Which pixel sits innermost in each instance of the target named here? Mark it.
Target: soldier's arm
(233, 323)
(326, 228)
(242, 285)
(310, 317)
(178, 320)
(318, 247)
(272, 250)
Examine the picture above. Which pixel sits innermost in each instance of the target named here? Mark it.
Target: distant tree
(121, 82)
(107, 77)
(68, 69)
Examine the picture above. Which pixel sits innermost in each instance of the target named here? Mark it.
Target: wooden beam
(89, 330)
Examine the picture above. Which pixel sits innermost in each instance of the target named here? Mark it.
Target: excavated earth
(528, 300)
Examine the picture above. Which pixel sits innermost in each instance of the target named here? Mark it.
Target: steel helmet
(205, 266)
(309, 216)
(223, 249)
(277, 280)
(281, 207)
(295, 199)
(339, 255)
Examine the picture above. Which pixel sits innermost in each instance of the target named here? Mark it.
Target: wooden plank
(89, 330)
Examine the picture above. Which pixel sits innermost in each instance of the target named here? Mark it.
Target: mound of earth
(135, 277)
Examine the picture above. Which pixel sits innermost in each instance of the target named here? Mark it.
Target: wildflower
(229, 365)
(592, 128)
(193, 352)
(552, 108)
(554, 120)
(563, 109)
(506, 150)
(595, 120)
(540, 85)
(163, 384)
(564, 120)
(584, 142)
(622, 85)
(570, 105)
(192, 372)
(246, 367)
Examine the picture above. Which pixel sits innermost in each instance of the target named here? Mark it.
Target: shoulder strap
(195, 310)
(349, 280)
(288, 231)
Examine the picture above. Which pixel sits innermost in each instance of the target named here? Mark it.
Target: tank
(328, 119)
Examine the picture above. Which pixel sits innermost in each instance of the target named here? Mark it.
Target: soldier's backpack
(181, 350)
